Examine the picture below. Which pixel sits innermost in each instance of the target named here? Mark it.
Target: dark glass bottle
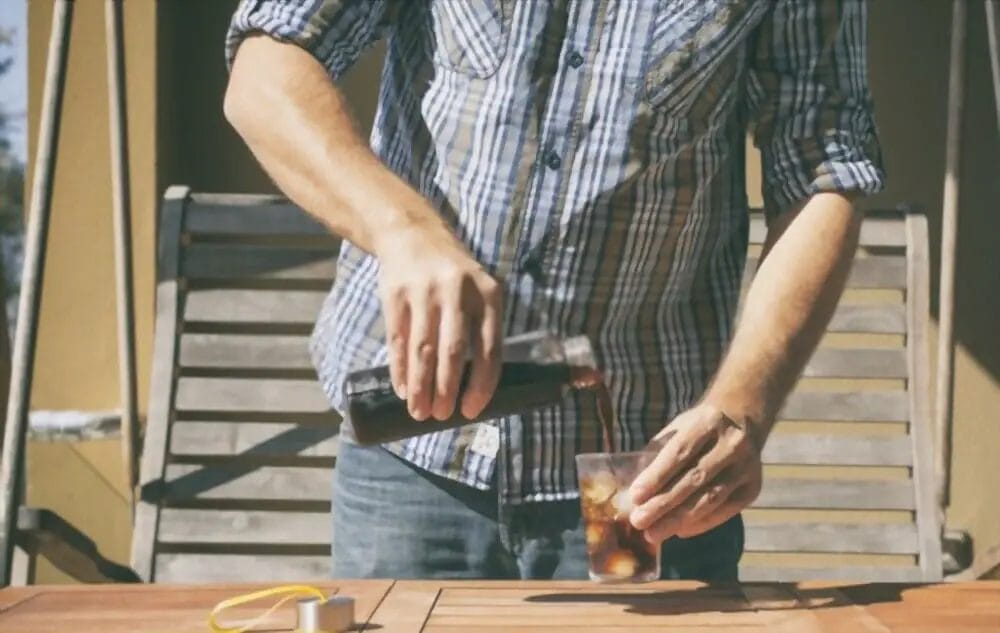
(538, 369)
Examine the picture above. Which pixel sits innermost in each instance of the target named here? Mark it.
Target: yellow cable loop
(293, 591)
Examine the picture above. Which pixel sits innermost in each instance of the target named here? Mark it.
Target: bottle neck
(581, 377)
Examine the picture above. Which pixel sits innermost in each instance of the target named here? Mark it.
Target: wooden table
(532, 607)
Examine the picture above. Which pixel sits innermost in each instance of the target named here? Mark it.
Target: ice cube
(598, 512)
(622, 503)
(599, 488)
(590, 512)
(596, 533)
(621, 564)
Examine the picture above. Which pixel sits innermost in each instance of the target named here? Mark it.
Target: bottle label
(487, 441)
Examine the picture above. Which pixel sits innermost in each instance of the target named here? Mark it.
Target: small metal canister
(333, 615)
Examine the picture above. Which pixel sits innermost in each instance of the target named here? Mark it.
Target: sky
(14, 84)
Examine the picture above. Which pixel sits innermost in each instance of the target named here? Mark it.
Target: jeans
(394, 520)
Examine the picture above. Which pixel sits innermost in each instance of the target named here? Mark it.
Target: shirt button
(552, 160)
(575, 59)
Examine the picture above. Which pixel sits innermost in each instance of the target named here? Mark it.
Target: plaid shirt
(590, 154)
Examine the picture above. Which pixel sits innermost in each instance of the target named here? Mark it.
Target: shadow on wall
(909, 72)
(197, 146)
(909, 59)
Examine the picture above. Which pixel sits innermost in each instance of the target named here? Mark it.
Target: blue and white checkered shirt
(590, 154)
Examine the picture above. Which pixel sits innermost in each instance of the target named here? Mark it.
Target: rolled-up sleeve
(335, 32)
(813, 118)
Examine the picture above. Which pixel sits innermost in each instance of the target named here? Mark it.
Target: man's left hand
(707, 470)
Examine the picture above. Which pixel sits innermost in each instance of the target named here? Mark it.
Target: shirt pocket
(695, 50)
(470, 36)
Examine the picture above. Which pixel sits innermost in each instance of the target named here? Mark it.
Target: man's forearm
(297, 124)
(807, 257)
(437, 301)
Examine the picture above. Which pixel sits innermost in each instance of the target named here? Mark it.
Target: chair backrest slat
(263, 306)
(263, 441)
(850, 406)
(247, 527)
(818, 449)
(820, 494)
(248, 215)
(857, 363)
(881, 573)
(274, 568)
(877, 271)
(246, 262)
(244, 484)
(868, 319)
(898, 538)
(250, 395)
(881, 229)
(254, 351)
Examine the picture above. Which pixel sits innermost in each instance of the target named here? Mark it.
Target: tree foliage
(11, 168)
(11, 197)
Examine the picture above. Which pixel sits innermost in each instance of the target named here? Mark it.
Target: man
(575, 165)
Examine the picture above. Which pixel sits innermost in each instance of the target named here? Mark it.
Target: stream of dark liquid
(617, 551)
(590, 379)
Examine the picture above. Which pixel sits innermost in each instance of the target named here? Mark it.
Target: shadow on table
(736, 598)
(359, 626)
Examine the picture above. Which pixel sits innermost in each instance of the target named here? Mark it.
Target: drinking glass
(618, 552)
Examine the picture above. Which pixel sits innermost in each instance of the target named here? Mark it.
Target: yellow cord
(293, 591)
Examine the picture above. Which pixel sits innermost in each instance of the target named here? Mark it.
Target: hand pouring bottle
(539, 369)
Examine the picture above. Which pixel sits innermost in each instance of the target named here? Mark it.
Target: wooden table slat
(159, 608)
(405, 610)
(531, 607)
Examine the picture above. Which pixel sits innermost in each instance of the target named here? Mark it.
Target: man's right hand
(439, 303)
(438, 300)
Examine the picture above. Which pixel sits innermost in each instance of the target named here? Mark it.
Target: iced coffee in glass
(618, 552)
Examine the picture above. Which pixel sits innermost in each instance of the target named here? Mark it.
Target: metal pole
(118, 124)
(949, 234)
(40, 207)
(992, 17)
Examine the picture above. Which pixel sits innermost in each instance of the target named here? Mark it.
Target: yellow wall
(77, 353)
(176, 79)
(76, 364)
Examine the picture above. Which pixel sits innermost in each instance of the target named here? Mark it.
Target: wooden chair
(236, 471)
(848, 490)
(240, 443)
